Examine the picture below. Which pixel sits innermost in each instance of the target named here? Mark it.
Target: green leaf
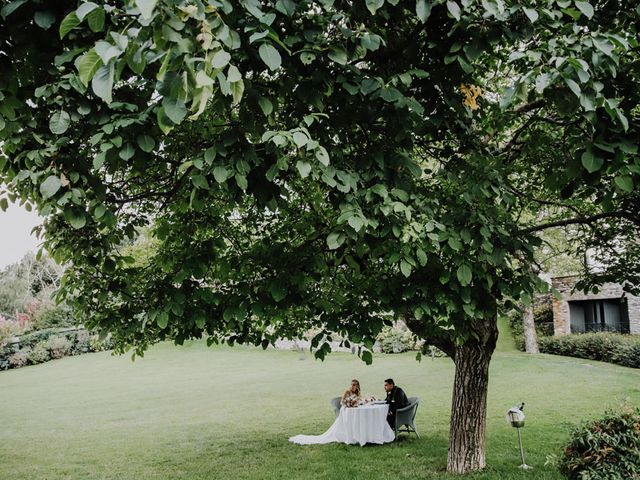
(203, 80)
(585, 8)
(11, 7)
(464, 274)
(237, 90)
(338, 55)
(278, 291)
(200, 181)
(146, 143)
(423, 10)
(220, 174)
(531, 14)
(210, 155)
(304, 168)
(102, 82)
(50, 186)
(422, 257)
(87, 65)
(95, 19)
(107, 51)
(99, 211)
(59, 122)
(300, 139)
(99, 159)
(542, 81)
(220, 59)
(164, 67)
(307, 58)
(76, 218)
(454, 9)
(176, 110)
(367, 357)
(405, 268)
(146, 7)
(265, 105)
(454, 243)
(126, 152)
(84, 9)
(334, 240)
(323, 156)
(69, 22)
(575, 88)
(622, 119)
(624, 182)
(356, 222)
(370, 42)
(591, 162)
(241, 180)
(162, 319)
(374, 5)
(44, 19)
(233, 74)
(270, 56)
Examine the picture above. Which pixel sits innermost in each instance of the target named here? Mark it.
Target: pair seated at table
(362, 419)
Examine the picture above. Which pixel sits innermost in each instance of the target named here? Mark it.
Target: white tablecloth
(364, 424)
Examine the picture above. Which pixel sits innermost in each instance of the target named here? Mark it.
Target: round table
(354, 425)
(364, 424)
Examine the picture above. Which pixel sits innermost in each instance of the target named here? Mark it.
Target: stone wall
(564, 285)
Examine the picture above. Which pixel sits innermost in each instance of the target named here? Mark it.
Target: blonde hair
(358, 384)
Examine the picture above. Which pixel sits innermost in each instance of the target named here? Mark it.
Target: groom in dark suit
(396, 399)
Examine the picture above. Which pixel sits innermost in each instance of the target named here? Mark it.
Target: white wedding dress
(361, 425)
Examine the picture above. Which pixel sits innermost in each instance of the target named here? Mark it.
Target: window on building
(607, 315)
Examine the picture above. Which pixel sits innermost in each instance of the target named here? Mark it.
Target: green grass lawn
(226, 413)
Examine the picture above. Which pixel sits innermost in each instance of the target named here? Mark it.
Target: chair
(335, 403)
(405, 417)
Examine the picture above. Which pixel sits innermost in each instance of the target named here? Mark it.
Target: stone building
(605, 311)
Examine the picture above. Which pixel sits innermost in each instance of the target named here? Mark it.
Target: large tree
(321, 163)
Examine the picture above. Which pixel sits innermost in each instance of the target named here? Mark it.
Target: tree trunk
(469, 404)
(470, 387)
(530, 335)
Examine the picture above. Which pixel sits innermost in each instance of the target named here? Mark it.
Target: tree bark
(530, 335)
(470, 387)
(469, 403)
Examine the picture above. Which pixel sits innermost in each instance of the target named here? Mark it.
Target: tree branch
(527, 107)
(574, 221)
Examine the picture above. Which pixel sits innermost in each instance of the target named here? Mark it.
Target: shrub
(607, 347)
(58, 346)
(517, 328)
(9, 329)
(47, 314)
(18, 359)
(396, 339)
(606, 448)
(82, 343)
(543, 318)
(39, 353)
(98, 345)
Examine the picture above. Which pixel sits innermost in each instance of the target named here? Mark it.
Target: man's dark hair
(390, 381)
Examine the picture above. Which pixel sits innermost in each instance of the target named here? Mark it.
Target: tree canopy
(321, 163)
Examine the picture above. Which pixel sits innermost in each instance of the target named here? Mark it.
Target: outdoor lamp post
(516, 418)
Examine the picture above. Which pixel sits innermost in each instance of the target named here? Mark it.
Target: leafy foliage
(605, 448)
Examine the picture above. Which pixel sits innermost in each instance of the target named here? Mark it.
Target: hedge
(606, 347)
(44, 345)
